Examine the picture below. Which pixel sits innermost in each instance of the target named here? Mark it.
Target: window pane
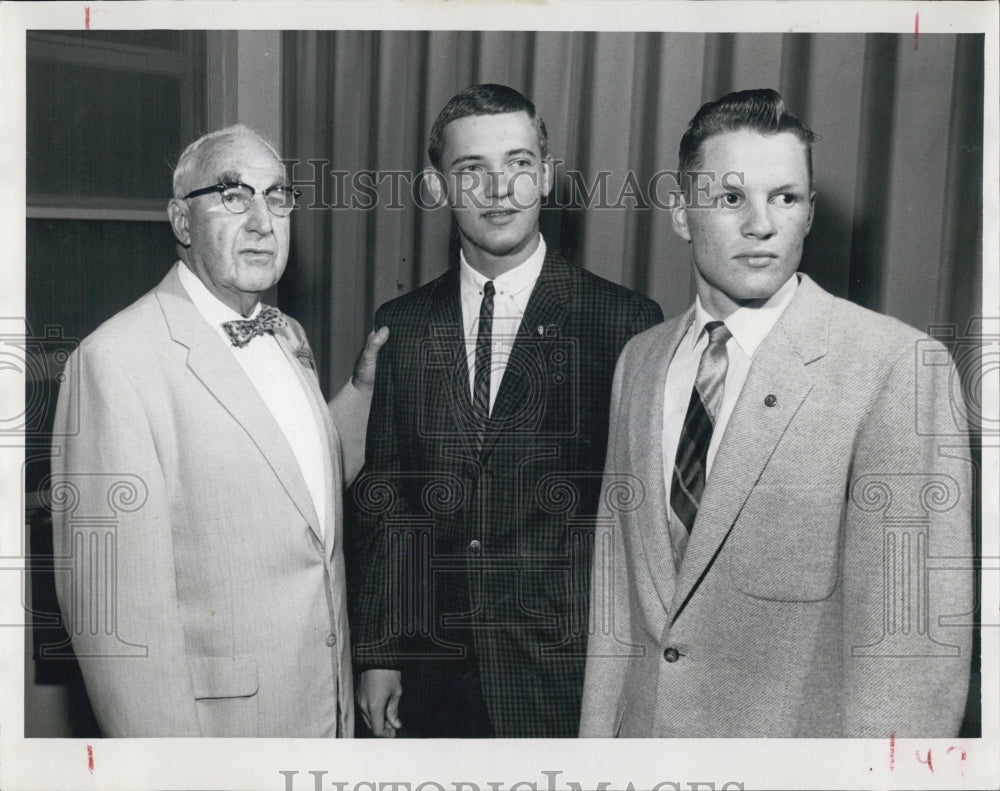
(100, 131)
(81, 272)
(160, 39)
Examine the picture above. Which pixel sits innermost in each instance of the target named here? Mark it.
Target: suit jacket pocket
(225, 691)
(786, 544)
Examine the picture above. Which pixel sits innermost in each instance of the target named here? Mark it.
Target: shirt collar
(512, 282)
(749, 325)
(212, 309)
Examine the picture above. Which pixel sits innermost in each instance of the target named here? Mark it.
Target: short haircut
(760, 110)
(487, 99)
(190, 158)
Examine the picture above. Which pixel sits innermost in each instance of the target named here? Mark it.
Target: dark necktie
(242, 331)
(691, 462)
(484, 343)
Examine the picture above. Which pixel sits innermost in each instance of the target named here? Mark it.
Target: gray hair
(189, 159)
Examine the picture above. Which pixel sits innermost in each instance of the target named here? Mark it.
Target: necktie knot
(489, 290)
(718, 333)
(242, 331)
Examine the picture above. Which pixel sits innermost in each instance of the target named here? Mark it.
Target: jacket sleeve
(350, 409)
(111, 524)
(609, 624)
(377, 496)
(908, 559)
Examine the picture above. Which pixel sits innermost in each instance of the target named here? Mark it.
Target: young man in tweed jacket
(800, 567)
(483, 467)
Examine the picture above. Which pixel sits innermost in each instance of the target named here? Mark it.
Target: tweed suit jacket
(488, 548)
(220, 605)
(821, 592)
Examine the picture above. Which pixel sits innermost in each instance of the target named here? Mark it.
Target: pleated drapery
(898, 168)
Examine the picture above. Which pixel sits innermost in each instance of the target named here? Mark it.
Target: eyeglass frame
(225, 185)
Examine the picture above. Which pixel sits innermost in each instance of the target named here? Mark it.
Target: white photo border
(305, 765)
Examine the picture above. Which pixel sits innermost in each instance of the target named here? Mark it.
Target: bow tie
(242, 331)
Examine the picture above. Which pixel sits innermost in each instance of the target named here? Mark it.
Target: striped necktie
(691, 462)
(484, 344)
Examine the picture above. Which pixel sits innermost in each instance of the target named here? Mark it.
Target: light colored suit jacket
(827, 577)
(203, 599)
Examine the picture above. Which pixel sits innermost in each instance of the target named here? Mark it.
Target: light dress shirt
(513, 290)
(272, 374)
(749, 326)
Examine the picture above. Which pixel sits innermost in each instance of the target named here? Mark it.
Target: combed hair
(760, 110)
(486, 99)
(189, 158)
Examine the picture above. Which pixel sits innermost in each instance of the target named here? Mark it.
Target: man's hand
(349, 408)
(378, 695)
(364, 368)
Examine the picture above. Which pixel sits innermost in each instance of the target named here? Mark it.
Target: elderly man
(200, 497)
(488, 425)
(774, 573)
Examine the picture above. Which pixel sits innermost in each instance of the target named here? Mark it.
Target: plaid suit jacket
(485, 551)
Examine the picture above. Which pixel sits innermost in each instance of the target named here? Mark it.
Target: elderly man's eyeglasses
(237, 197)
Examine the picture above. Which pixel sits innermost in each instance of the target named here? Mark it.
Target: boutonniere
(299, 345)
(305, 356)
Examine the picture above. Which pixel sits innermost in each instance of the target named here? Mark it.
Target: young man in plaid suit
(484, 454)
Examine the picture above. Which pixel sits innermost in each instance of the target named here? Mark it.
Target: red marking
(929, 762)
(916, 31)
(961, 758)
(90, 759)
(86, 26)
(892, 752)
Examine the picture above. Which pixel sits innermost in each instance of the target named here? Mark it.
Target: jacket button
(331, 639)
(475, 546)
(671, 654)
(770, 400)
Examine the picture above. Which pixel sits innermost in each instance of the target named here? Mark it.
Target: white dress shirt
(271, 373)
(513, 290)
(749, 326)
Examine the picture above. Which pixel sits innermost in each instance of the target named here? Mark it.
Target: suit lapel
(546, 311)
(446, 395)
(646, 452)
(293, 343)
(779, 369)
(213, 364)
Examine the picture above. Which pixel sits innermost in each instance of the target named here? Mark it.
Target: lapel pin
(770, 400)
(541, 330)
